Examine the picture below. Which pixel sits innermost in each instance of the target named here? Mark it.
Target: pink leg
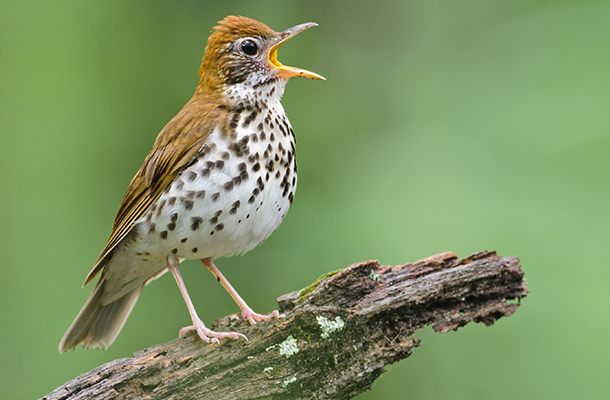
(247, 313)
(206, 334)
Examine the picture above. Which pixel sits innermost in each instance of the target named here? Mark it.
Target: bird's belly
(227, 202)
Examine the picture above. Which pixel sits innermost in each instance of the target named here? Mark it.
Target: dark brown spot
(174, 251)
(220, 164)
(263, 135)
(184, 240)
(218, 213)
(215, 197)
(249, 119)
(200, 195)
(152, 228)
(229, 186)
(243, 175)
(269, 165)
(191, 176)
(160, 207)
(254, 138)
(163, 235)
(255, 192)
(256, 167)
(195, 250)
(267, 177)
(290, 197)
(213, 220)
(173, 217)
(251, 199)
(220, 227)
(242, 166)
(272, 137)
(171, 226)
(237, 149)
(277, 175)
(195, 225)
(179, 184)
(188, 204)
(205, 172)
(171, 201)
(225, 155)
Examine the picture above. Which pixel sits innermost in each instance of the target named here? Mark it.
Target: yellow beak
(283, 69)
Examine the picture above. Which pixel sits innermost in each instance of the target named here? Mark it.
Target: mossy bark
(371, 312)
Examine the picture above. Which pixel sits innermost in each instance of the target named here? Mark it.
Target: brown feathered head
(243, 50)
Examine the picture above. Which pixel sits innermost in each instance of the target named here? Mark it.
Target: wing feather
(175, 148)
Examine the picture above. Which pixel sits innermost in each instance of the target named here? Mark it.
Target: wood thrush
(218, 181)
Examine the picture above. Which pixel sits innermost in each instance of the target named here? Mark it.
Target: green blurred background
(443, 126)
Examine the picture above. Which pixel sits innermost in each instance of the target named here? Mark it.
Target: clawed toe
(209, 335)
(253, 317)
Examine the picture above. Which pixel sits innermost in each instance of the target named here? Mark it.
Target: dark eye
(249, 47)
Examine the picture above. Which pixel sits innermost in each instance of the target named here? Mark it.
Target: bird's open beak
(291, 71)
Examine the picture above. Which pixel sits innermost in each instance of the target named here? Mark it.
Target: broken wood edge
(334, 339)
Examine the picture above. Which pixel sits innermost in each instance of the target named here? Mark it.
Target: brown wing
(175, 148)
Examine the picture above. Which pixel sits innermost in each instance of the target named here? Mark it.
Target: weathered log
(334, 340)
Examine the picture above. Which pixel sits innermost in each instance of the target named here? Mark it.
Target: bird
(219, 179)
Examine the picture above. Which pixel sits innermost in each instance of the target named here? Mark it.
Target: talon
(249, 315)
(209, 335)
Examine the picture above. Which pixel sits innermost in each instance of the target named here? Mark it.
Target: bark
(334, 340)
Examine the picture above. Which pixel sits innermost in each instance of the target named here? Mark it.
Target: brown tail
(97, 325)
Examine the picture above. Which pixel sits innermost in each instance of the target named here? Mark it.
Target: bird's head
(244, 51)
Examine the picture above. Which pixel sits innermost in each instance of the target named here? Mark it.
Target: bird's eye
(249, 47)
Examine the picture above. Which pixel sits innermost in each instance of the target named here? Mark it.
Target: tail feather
(97, 325)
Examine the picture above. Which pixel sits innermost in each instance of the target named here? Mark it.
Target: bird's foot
(247, 314)
(209, 335)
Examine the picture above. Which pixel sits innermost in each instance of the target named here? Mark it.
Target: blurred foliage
(443, 125)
